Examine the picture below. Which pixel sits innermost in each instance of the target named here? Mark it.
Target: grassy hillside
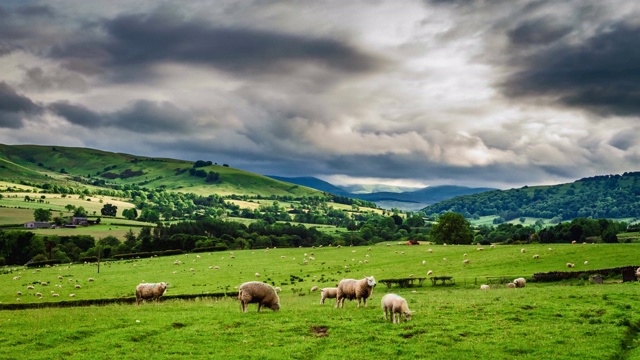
(565, 320)
(78, 167)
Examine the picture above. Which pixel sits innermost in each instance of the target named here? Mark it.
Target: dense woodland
(609, 196)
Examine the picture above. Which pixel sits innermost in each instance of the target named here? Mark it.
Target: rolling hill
(82, 167)
(607, 196)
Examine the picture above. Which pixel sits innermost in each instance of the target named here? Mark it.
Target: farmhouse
(37, 225)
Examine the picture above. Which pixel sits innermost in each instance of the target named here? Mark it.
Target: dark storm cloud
(624, 139)
(14, 107)
(540, 31)
(142, 117)
(601, 74)
(136, 41)
(35, 10)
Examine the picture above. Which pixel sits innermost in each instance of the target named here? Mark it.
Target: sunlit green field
(567, 320)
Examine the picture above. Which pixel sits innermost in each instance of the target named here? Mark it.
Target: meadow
(564, 320)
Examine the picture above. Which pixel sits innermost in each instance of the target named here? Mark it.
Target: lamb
(484, 287)
(258, 292)
(150, 291)
(397, 306)
(570, 265)
(520, 282)
(315, 288)
(355, 289)
(511, 285)
(536, 256)
(328, 293)
(429, 272)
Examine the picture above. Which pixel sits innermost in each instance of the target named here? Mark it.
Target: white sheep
(355, 289)
(430, 250)
(523, 250)
(424, 262)
(90, 279)
(397, 306)
(258, 292)
(278, 288)
(30, 287)
(484, 287)
(520, 282)
(78, 286)
(466, 261)
(638, 273)
(429, 272)
(328, 293)
(150, 291)
(492, 246)
(570, 265)
(511, 285)
(72, 295)
(536, 256)
(586, 262)
(257, 274)
(315, 288)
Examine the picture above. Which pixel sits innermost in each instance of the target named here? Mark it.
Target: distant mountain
(606, 196)
(408, 200)
(373, 188)
(314, 183)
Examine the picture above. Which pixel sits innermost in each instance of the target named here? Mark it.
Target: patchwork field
(566, 320)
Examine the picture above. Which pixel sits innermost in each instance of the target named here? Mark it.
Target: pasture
(566, 320)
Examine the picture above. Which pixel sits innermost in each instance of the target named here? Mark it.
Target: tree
(130, 214)
(452, 228)
(42, 215)
(109, 210)
(80, 212)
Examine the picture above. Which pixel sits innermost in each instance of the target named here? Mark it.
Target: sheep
(257, 274)
(258, 292)
(484, 287)
(72, 295)
(39, 294)
(150, 291)
(424, 262)
(570, 265)
(355, 289)
(397, 306)
(574, 242)
(78, 286)
(430, 250)
(466, 261)
(511, 285)
(523, 250)
(429, 272)
(638, 273)
(315, 288)
(586, 262)
(536, 256)
(520, 282)
(90, 279)
(278, 289)
(492, 246)
(60, 277)
(19, 293)
(328, 293)
(30, 287)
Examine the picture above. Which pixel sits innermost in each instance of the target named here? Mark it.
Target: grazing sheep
(424, 262)
(328, 293)
(549, 249)
(19, 293)
(511, 285)
(39, 294)
(429, 272)
(78, 286)
(523, 250)
(90, 279)
(30, 287)
(55, 295)
(570, 265)
(278, 288)
(430, 250)
(258, 292)
(43, 283)
(464, 255)
(315, 288)
(586, 262)
(484, 287)
(480, 249)
(536, 256)
(355, 289)
(492, 246)
(520, 282)
(257, 274)
(638, 274)
(574, 242)
(397, 306)
(72, 295)
(60, 277)
(150, 291)
(466, 261)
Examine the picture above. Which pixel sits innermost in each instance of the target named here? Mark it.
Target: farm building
(37, 225)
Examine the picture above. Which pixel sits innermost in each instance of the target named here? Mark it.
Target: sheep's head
(407, 315)
(371, 281)
(275, 307)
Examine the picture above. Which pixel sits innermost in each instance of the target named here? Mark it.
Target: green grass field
(566, 320)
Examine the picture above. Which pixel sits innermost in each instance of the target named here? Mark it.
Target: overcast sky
(476, 93)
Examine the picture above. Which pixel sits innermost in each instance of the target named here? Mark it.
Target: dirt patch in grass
(319, 331)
